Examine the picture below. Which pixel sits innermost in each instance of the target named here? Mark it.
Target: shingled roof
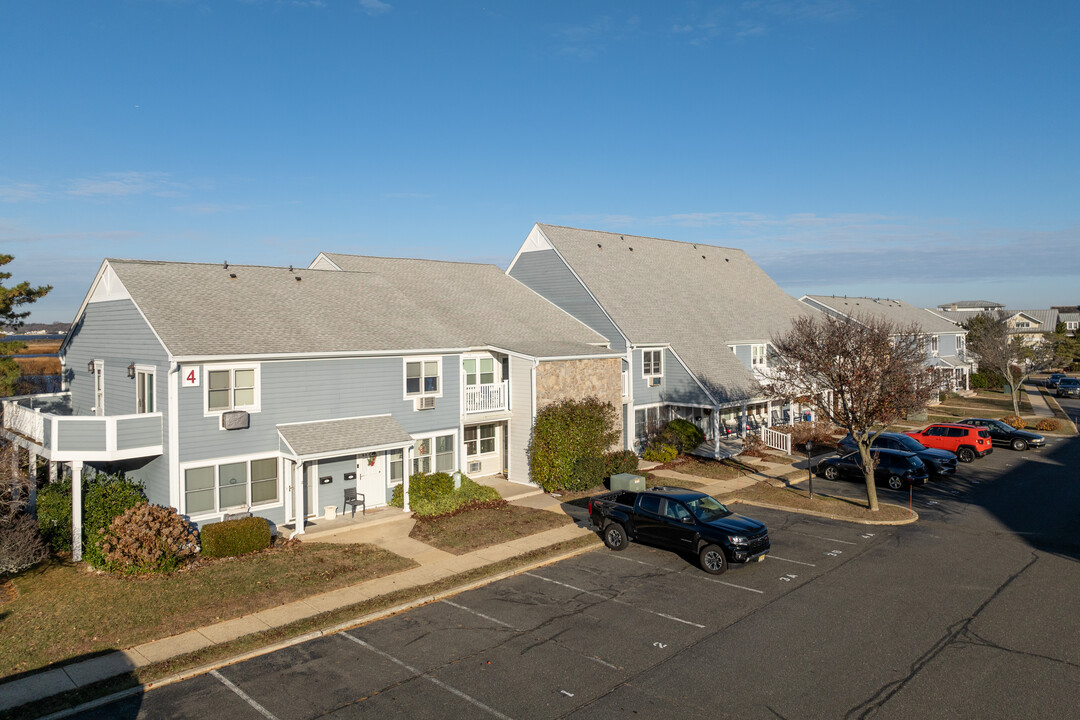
(211, 310)
(895, 311)
(697, 298)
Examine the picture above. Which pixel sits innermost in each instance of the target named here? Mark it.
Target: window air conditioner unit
(474, 467)
(654, 381)
(234, 420)
(425, 403)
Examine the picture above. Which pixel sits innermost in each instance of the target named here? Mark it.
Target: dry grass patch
(63, 611)
(483, 527)
(797, 499)
(714, 469)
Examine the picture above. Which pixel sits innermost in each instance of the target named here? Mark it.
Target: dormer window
(652, 366)
(758, 356)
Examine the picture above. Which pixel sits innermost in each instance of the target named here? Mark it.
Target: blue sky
(917, 149)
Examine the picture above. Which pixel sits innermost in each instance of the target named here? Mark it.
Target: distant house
(275, 390)
(1071, 320)
(692, 322)
(1033, 326)
(946, 348)
(971, 306)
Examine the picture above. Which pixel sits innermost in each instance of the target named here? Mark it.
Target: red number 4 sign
(189, 377)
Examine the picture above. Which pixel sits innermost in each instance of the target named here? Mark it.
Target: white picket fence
(776, 439)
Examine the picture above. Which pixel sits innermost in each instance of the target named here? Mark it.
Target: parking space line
(797, 562)
(418, 673)
(244, 696)
(819, 537)
(616, 600)
(696, 577)
(480, 614)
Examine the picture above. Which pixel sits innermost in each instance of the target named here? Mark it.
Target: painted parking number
(835, 553)
(788, 578)
(190, 377)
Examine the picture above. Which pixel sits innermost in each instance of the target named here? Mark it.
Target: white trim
(431, 435)
(99, 398)
(323, 256)
(173, 381)
(647, 376)
(216, 463)
(405, 395)
(147, 370)
(232, 368)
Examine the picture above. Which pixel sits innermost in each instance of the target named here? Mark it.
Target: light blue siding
(305, 391)
(138, 432)
(116, 333)
(677, 387)
(547, 275)
(743, 354)
(947, 344)
(75, 435)
(334, 468)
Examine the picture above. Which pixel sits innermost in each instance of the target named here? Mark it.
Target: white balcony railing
(28, 422)
(487, 398)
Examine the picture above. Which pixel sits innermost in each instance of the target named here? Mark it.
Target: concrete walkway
(1039, 407)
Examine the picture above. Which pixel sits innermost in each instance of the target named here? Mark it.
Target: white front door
(371, 478)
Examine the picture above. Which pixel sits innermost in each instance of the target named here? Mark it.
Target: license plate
(760, 558)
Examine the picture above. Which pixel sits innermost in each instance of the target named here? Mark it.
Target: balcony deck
(47, 425)
(493, 397)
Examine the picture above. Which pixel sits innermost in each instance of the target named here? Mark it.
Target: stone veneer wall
(576, 379)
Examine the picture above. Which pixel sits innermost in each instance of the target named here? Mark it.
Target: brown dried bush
(148, 538)
(754, 446)
(822, 434)
(21, 546)
(1015, 420)
(1048, 425)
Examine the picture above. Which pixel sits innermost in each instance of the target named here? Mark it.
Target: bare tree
(861, 373)
(1008, 354)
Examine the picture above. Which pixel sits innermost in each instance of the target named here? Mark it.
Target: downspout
(631, 420)
(172, 417)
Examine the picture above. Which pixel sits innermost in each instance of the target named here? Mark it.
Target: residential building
(1032, 326)
(273, 390)
(692, 321)
(946, 342)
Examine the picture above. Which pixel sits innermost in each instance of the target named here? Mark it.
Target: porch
(491, 397)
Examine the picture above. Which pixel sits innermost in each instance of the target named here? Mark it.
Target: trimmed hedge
(683, 434)
(235, 537)
(621, 461)
(107, 497)
(432, 494)
(589, 471)
(1015, 420)
(565, 432)
(661, 453)
(54, 514)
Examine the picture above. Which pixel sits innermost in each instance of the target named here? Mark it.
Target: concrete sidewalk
(1039, 407)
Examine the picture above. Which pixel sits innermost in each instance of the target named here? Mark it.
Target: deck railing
(487, 398)
(776, 439)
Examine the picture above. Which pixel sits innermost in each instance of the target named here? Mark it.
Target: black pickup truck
(681, 520)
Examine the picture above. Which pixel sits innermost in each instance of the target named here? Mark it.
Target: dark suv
(938, 462)
(1068, 387)
(1002, 433)
(894, 468)
(1054, 379)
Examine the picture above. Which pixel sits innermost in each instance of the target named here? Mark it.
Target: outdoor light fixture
(90, 366)
(131, 371)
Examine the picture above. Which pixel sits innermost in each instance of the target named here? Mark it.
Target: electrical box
(627, 481)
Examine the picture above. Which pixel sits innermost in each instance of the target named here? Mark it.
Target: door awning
(346, 436)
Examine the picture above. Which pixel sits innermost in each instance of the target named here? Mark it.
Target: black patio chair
(354, 498)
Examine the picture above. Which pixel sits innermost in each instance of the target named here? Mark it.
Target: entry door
(99, 387)
(371, 478)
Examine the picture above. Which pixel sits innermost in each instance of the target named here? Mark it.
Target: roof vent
(297, 278)
(226, 264)
(727, 260)
(232, 275)
(599, 246)
(702, 257)
(631, 249)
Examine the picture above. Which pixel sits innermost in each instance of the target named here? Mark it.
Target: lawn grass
(798, 499)
(62, 611)
(483, 527)
(199, 660)
(713, 469)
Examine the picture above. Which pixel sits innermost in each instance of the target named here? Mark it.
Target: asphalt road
(970, 613)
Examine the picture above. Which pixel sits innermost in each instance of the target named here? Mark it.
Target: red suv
(966, 441)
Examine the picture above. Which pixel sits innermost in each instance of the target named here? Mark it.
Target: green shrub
(1048, 425)
(986, 379)
(661, 453)
(589, 471)
(397, 495)
(621, 461)
(470, 493)
(564, 432)
(683, 434)
(54, 514)
(106, 497)
(1015, 420)
(429, 486)
(235, 537)
(148, 538)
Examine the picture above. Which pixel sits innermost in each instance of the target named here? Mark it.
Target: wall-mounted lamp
(131, 371)
(90, 366)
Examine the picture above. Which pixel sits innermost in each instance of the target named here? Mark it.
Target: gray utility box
(627, 481)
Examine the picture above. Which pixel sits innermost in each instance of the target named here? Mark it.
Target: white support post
(742, 421)
(298, 497)
(52, 471)
(768, 413)
(14, 473)
(31, 475)
(405, 471)
(76, 510)
(716, 432)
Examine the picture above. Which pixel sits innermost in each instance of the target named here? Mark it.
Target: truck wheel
(1019, 445)
(831, 473)
(615, 536)
(895, 482)
(712, 559)
(965, 455)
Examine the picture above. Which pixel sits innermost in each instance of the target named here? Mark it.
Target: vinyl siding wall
(115, 332)
(677, 387)
(546, 274)
(521, 405)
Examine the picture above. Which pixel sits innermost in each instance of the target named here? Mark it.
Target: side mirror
(688, 521)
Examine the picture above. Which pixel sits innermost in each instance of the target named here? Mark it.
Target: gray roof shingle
(895, 311)
(695, 297)
(329, 436)
(203, 310)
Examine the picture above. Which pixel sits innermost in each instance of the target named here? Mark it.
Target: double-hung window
(479, 369)
(145, 400)
(652, 366)
(758, 356)
(437, 452)
(480, 440)
(422, 377)
(397, 466)
(217, 488)
(933, 344)
(233, 388)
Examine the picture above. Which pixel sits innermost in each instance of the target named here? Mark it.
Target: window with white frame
(934, 344)
(1022, 324)
(422, 377)
(758, 355)
(480, 440)
(961, 344)
(652, 365)
(244, 483)
(145, 400)
(397, 466)
(436, 452)
(232, 388)
(479, 371)
(1071, 324)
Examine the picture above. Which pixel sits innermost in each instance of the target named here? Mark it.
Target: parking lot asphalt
(972, 612)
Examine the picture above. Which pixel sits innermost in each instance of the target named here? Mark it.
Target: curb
(830, 516)
(332, 630)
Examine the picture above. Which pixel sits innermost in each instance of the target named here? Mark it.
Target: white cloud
(120, 184)
(374, 7)
(21, 192)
